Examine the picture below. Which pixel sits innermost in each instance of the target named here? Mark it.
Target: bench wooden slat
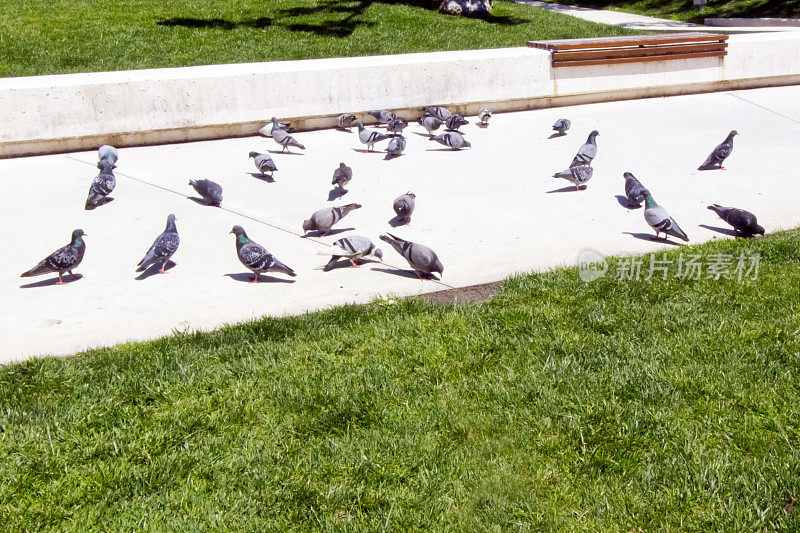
(614, 53)
(636, 59)
(637, 40)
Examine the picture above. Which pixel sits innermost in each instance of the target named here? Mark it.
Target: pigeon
(255, 257)
(576, 175)
(383, 116)
(744, 222)
(163, 247)
(264, 163)
(281, 137)
(452, 139)
(634, 190)
(659, 219)
(442, 113)
(342, 176)
(720, 153)
(346, 121)
(485, 114)
(421, 258)
(65, 259)
(266, 131)
(404, 206)
(107, 152)
(353, 248)
(370, 137)
(396, 147)
(431, 124)
(210, 191)
(561, 126)
(455, 121)
(396, 125)
(586, 152)
(324, 219)
(102, 185)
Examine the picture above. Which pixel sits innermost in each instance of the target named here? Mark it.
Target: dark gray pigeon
(397, 125)
(455, 121)
(264, 163)
(452, 139)
(255, 257)
(561, 126)
(484, 115)
(346, 121)
(659, 219)
(383, 116)
(210, 191)
(353, 248)
(720, 153)
(576, 175)
(324, 219)
(396, 147)
(442, 113)
(587, 152)
(431, 124)
(65, 259)
(283, 138)
(102, 185)
(744, 222)
(421, 258)
(342, 176)
(107, 152)
(634, 190)
(403, 206)
(370, 137)
(163, 247)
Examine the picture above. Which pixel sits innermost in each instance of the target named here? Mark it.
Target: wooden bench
(613, 50)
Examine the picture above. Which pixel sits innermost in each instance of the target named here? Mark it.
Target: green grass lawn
(51, 37)
(558, 405)
(683, 9)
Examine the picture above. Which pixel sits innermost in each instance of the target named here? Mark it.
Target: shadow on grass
(188, 22)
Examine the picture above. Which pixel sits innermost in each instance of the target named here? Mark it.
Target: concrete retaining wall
(81, 111)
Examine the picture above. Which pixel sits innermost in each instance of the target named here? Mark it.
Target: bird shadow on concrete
(153, 269)
(285, 153)
(569, 188)
(402, 273)
(556, 134)
(262, 177)
(262, 278)
(201, 201)
(396, 222)
(68, 278)
(443, 150)
(724, 231)
(102, 201)
(317, 233)
(345, 263)
(390, 156)
(423, 134)
(482, 125)
(363, 151)
(343, 130)
(336, 193)
(623, 201)
(651, 238)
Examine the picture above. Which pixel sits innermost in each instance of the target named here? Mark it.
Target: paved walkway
(641, 22)
(489, 212)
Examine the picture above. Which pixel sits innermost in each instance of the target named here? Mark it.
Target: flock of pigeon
(421, 258)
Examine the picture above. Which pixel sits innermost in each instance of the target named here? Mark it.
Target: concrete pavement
(489, 212)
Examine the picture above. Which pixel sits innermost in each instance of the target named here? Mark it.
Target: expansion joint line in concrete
(765, 108)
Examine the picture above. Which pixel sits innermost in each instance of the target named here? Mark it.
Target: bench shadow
(724, 231)
(68, 278)
(153, 269)
(651, 238)
(262, 278)
(262, 177)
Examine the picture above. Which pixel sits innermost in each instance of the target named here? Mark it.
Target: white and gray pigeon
(744, 222)
(431, 124)
(255, 257)
(346, 121)
(65, 259)
(353, 248)
(397, 125)
(264, 163)
(421, 258)
(484, 115)
(395, 147)
(283, 138)
(107, 152)
(383, 116)
(370, 137)
(342, 176)
(266, 131)
(453, 139)
(634, 190)
(561, 126)
(659, 219)
(720, 153)
(102, 185)
(455, 121)
(578, 176)
(162, 249)
(587, 152)
(210, 191)
(324, 219)
(404, 205)
(442, 113)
